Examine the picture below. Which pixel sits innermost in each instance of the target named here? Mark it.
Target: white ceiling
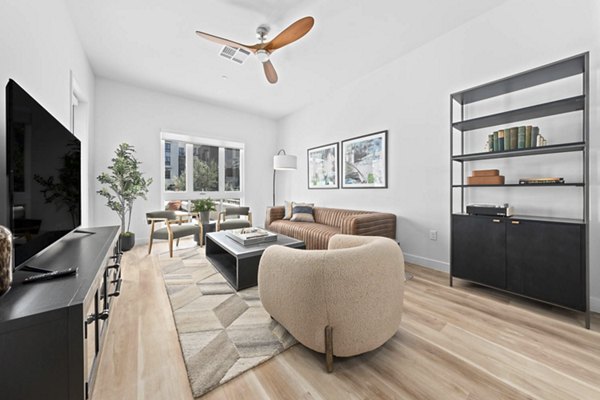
(152, 44)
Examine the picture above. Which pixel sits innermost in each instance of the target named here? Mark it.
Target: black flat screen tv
(44, 176)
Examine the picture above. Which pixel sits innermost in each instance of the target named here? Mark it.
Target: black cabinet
(51, 332)
(478, 249)
(542, 260)
(545, 261)
(544, 257)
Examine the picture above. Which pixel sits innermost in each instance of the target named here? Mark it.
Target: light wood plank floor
(465, 342)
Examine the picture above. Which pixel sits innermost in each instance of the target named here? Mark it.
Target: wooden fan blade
(270, 72)
(290, 34)
(223, 41)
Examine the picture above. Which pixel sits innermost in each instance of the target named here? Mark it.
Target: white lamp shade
(284, 161)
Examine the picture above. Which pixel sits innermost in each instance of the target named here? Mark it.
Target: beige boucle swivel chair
(343, 301)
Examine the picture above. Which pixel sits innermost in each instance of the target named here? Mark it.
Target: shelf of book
(521, 114)
(549, 149)
(562, 244)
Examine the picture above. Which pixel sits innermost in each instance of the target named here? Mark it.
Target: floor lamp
(282, 161)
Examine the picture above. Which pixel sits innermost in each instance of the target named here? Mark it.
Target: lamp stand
(274, 172)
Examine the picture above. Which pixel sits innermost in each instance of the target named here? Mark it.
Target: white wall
(137, 116)
(410, 98)
(38, 49)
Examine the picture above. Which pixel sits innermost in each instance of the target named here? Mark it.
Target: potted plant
(125, 185)
(204, 207)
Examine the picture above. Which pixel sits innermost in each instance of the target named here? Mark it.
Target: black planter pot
(127, 241)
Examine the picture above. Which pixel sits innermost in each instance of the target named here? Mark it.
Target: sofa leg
(329, 348)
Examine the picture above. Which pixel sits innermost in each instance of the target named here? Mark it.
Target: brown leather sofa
(330, 221)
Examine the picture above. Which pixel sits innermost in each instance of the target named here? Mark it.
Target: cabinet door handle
(515, 222)
(497, 221)
(117, 291)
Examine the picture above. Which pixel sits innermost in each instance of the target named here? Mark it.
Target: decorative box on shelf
(250, 236)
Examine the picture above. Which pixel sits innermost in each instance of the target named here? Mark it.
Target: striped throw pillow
(287, 205)
(302, 212)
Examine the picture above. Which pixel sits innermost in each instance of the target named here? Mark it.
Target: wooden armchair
(176, 227)
(231, 218)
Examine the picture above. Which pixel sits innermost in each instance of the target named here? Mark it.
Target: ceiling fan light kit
(262, 56)
(238, 52)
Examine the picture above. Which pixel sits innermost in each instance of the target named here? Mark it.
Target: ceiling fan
(263, 50)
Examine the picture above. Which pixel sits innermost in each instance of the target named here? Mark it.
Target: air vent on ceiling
(235, 54)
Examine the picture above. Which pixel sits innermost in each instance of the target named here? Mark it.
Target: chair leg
(171, 247)
(150, 246)
(329, 348)
(177, 242)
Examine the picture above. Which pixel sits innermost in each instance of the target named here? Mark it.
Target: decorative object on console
(322, 165)
(126, 182)
(364, 161)
(5, 259)
(485, 177)
(204, 207)
(282, 162)
(344, 301)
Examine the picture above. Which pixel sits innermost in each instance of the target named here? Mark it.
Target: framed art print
(322, 163)
(364, 161)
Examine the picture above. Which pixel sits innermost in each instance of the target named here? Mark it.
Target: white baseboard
(595, 304)
(445, 267)
(427, 262)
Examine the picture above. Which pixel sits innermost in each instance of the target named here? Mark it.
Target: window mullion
(189, 168)
(221, 169)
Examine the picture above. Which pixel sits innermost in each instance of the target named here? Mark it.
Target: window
(175, 179)
(232, 170)
(167, 154)
(216, 169)
(206, 168)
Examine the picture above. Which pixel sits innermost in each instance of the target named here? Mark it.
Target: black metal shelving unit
(505, 227)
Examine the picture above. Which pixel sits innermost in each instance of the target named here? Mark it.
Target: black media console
(51, 332)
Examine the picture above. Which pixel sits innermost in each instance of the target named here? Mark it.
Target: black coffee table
(238, 263)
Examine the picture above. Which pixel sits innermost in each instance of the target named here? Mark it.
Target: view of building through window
(216, 170)
(174, 171)
(232, 170)
(206, 168)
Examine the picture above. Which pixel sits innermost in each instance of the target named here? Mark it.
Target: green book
(528, 136)
(496, 144)
(501, 145)
(513, 138)
(535, 132)
(521, 138)
(490, 142)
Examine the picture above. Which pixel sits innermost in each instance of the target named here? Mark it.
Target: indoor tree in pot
(125, 185)
(204, 207)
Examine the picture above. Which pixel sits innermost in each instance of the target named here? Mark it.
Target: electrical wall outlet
(432, 235)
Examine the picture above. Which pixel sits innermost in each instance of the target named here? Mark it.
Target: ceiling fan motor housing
(262, 31)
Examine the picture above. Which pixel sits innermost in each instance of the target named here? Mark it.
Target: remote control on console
(50, 275)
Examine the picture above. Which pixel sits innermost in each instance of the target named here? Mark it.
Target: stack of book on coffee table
(250, 236)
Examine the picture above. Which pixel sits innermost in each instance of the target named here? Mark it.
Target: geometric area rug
(222, 333)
